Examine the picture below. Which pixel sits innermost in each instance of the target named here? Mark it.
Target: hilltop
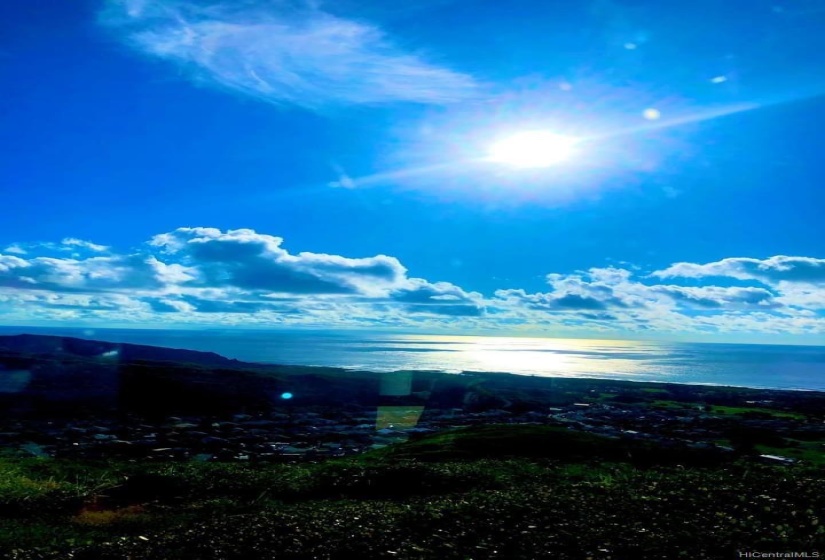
(45, 346)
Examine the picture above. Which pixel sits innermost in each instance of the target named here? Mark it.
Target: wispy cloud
(76, 247)
(72, 242)
(15, 249)
(344, 180)
(289, 53)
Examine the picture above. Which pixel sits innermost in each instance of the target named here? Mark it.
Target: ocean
(742, 365)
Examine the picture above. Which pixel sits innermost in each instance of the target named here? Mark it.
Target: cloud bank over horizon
(205, 276)
(284, 52)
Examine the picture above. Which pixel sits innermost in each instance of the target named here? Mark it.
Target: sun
(532, 148)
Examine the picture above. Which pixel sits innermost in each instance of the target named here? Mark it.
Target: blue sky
(325, 164)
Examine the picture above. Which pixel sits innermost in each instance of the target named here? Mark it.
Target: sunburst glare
(532, 148)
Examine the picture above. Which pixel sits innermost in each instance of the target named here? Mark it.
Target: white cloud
(439, 298)
(801, 295)
(72, 242)
(206, 271)
(207, 276)
(769, 271)
(15, 249)
(289, 53)
(718, 297)
(609, 298)
(247, 260)
(70, 245)
(95, 274)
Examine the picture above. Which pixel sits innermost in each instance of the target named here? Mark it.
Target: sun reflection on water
(536, 356)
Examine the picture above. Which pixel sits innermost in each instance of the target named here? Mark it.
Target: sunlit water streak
(770, 366)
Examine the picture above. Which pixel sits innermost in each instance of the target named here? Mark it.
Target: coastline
(601, 377)
(736, 365)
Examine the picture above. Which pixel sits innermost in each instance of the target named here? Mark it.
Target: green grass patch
(660, 403)
(812, 453)
(740, 410)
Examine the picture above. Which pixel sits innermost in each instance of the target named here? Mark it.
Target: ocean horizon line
(782, 367)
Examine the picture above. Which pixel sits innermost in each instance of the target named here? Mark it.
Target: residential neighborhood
(316, 433)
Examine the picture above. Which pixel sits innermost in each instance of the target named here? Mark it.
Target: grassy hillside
(520, 492)
(546, 442)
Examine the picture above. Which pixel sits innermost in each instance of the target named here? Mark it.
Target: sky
(361, 165)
